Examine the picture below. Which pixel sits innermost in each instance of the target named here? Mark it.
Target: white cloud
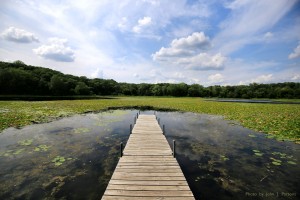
(296, 53)
(268, 35)
(146, 21)
(197, 40)
(248, 19)
(56, 50)
(97, 74)
(123, 24)
(260, 79)
(19, 35)
(216, 78)
(236, 4)
(165, 53)
(296, 77)
(263, 78)
(188, 52)
(203, 61)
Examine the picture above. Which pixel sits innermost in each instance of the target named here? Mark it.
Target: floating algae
(26, 142)
(224, 158)
(81, 130)
(276, 161)
(58, 160)
(257, 153)
(42, 147)
(19, 151)
(291, 162)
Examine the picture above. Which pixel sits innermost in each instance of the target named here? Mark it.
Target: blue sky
(212, 42)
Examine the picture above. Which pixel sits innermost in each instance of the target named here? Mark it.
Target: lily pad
(42, 147)
(251, 135)
(276, 163)
(58, 160)
(256, 151)
(19, 151)
(26, 142)
(259, 154)
(270, 136)
(81, 130)
(291, 162)
(224, 158)
(276, 160)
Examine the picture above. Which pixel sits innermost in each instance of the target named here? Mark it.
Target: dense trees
(19, 79)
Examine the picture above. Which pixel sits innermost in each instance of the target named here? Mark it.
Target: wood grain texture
(147, 169)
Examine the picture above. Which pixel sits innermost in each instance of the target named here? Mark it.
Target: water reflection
(71, 158)
(222, 160)
(74, 158)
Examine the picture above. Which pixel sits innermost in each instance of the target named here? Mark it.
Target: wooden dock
(147, 169)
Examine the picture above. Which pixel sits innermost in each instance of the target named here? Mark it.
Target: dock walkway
(147, 169)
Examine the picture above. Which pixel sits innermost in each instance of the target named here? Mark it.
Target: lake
(74, 157)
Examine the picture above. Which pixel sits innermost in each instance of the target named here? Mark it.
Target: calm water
(73, 158)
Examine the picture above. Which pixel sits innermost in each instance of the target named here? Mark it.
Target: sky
(208, 42)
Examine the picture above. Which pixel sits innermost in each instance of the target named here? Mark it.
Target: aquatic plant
(251, 135)
(19, 151)
(26, 142)
(276, 161)
(81, 130)
(279, 120)
(10, 152)
(58, 160)
(291, 162)
(224, 158)
(257, 153)
(41, 147)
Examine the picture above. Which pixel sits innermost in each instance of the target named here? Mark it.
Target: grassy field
(281, 121)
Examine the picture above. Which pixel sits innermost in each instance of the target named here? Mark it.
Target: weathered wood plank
(129, 177)
(145, 198)
(147, 169)
(144, 182)
(149, 187)
(147, 164)
(157, 167)
(155, 193)
(151, 174)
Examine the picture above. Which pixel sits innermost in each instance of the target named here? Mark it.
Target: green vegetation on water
(279, 120)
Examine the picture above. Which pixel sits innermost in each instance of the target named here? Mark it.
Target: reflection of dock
(147, 169)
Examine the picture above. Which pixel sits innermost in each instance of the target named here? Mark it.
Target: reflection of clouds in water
(72, 137)
(217, 144)
(199, 138)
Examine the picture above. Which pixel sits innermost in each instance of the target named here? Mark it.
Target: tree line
(18, 78)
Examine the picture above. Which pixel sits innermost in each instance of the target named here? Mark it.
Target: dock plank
(147, 170)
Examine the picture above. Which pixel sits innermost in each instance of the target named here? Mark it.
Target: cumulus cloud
(268, 35)
(296, 77)
(56, 50)
(188, 52)
(260, 79)
(197, 40)
(203, 61)
(216, 78)
(263, 78)
(296, 53)
(18, 35)
(97, 74)
(146, 21)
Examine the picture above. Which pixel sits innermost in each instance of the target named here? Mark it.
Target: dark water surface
(74, 158)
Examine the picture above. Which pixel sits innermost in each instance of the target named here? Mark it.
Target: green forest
(18, 78)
